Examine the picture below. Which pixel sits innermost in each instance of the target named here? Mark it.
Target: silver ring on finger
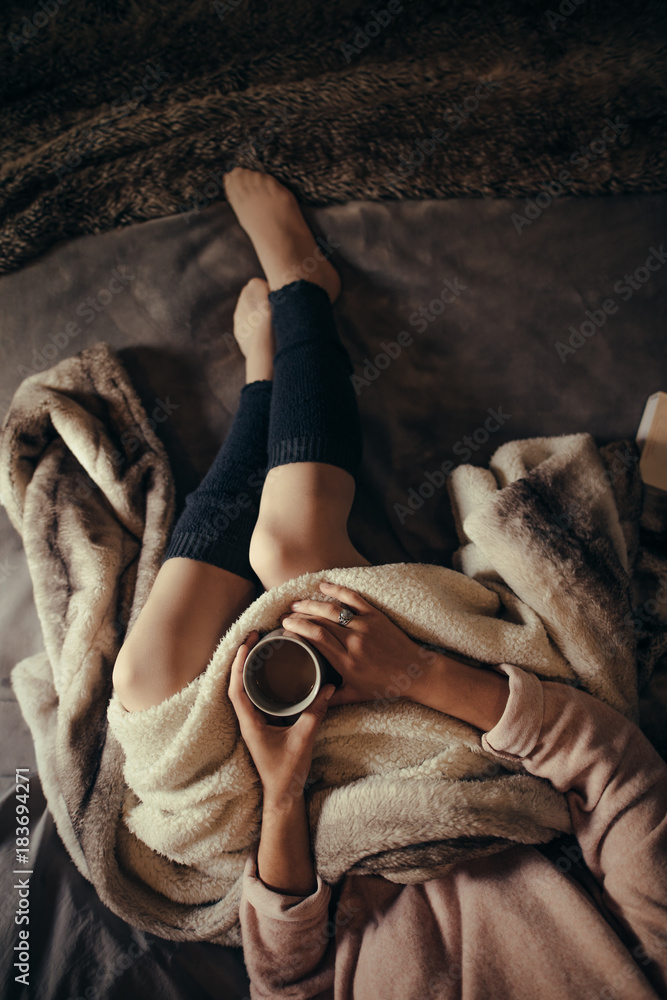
(345, 616)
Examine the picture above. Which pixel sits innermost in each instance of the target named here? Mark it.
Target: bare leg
(302, 523)
(271, 217)
(304, 508)
(193, 603)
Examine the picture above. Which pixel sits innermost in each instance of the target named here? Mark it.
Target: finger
(347, 596)
(320, 633)
(321, 609)
(309, 720)
(236, 675)
(342, 696)
(330, 622)
(244, 708)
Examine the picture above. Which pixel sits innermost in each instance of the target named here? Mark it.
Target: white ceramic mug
(323, 673)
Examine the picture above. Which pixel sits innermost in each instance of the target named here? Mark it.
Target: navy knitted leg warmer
(314, 413)
(308, 413)
(220, 515)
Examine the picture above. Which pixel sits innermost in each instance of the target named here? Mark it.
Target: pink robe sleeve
(616, 788)
(288, 943)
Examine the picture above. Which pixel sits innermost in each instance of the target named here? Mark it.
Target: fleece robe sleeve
(615, 784)
(288, 947)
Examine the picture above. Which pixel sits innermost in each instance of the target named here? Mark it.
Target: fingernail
(296, 604)
(329, 691)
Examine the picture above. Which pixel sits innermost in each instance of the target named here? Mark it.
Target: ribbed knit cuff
(518, 729)
(298, 310)
(281, 906)
(219, 516)
(217, 551)
(259, 387)
(338, 451)
(301, 286)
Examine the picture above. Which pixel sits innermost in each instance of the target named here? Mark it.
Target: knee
(135, 690)
(279, 553)
(123, 676)
(272, 557)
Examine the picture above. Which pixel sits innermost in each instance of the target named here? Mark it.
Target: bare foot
(253, 330)
(271, 217)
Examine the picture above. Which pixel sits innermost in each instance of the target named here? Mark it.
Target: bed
(450, 314)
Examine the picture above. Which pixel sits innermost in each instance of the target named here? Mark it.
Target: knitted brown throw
(114, 113)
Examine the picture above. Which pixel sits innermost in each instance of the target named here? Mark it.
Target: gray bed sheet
(476, 307)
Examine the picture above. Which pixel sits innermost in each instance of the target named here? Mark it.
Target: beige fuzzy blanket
(159, 808)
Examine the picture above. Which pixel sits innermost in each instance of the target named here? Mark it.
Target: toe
(257, 288)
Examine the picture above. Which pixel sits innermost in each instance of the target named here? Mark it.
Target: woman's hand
(282, 754)
(375, 658)
(377, 661)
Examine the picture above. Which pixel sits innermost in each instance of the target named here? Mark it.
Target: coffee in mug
(288, 674)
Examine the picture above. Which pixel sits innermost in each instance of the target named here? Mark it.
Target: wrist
(428, 672)
(282, 803)
(284, 860)
(474, 694)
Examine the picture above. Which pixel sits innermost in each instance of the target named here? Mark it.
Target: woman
(275, 505)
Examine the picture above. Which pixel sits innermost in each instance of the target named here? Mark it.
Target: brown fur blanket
(158, 809)
(122, 112)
